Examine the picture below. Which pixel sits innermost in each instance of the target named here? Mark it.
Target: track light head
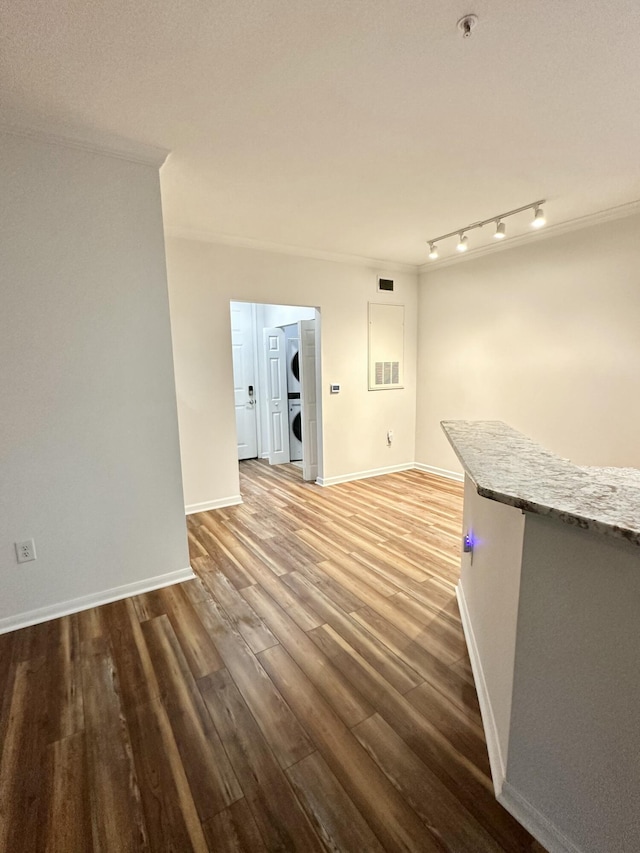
(500, 233)
(538, 218)
(433, 251)
(463, 243)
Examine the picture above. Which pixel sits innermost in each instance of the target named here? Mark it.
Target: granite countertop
(508, 467)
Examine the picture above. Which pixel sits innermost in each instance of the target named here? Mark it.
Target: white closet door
(277, 401)
(244, 380)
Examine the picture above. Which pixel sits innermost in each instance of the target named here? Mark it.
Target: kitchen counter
(549, 594)
(508, 467)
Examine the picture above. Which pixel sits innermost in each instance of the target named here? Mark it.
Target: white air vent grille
(387, 372)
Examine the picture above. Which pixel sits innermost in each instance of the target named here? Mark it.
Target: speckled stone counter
(508, 467)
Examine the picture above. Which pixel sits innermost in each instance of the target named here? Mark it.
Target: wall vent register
(387, 372)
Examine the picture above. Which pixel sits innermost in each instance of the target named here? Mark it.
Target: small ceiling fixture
(500, 233)
(466, 24)
(539, 218)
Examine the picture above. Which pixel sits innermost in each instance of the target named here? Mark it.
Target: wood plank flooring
(310, 691)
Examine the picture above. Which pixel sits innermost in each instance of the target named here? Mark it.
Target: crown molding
(85, 139)
(619, 212)
(283, 249)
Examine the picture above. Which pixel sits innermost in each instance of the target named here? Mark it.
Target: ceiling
(360, 127)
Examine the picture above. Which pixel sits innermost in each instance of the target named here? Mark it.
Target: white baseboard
(94, 599)
(363, 475)
(535, 822)
(440, 472)
(232, 500)
(488, 719)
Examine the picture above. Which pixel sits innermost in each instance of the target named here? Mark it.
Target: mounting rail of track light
(500, 232)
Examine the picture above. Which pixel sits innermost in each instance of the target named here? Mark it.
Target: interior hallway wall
(283, 315)
(89, 459)
(203, 278)
(546, 337)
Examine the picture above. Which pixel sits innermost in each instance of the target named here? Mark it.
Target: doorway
(276, 377)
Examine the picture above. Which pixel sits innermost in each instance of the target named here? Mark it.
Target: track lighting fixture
(538, 218)
(500, 233)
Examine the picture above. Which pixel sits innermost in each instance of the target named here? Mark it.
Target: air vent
(387, 372)
(385, 284)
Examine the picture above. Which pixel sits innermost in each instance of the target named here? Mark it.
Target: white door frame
(308, 398)
(261, 396)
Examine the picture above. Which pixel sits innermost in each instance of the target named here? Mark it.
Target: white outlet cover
(26, 551)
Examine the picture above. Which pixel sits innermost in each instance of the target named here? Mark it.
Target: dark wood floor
(310, 691)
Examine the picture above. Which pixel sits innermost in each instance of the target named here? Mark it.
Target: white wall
(89, 462)
(203, 278)
(489, 589)
(543, 336)
(574, 749)
(283, 315)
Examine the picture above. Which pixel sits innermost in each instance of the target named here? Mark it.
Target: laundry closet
(292, 335)
(276, 370)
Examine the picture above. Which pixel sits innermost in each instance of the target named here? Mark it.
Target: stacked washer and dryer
(292, 341)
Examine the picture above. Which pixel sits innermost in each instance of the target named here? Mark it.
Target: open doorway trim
(267, 315)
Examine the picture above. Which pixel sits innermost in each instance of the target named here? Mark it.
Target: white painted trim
(363, 475)
(488, 719)
(440, 472)
(535, 822)
(283, 249)
(591, 219)
(94, 599)
(86, 139)
(232, 500)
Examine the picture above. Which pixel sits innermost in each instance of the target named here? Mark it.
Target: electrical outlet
(26, 551)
